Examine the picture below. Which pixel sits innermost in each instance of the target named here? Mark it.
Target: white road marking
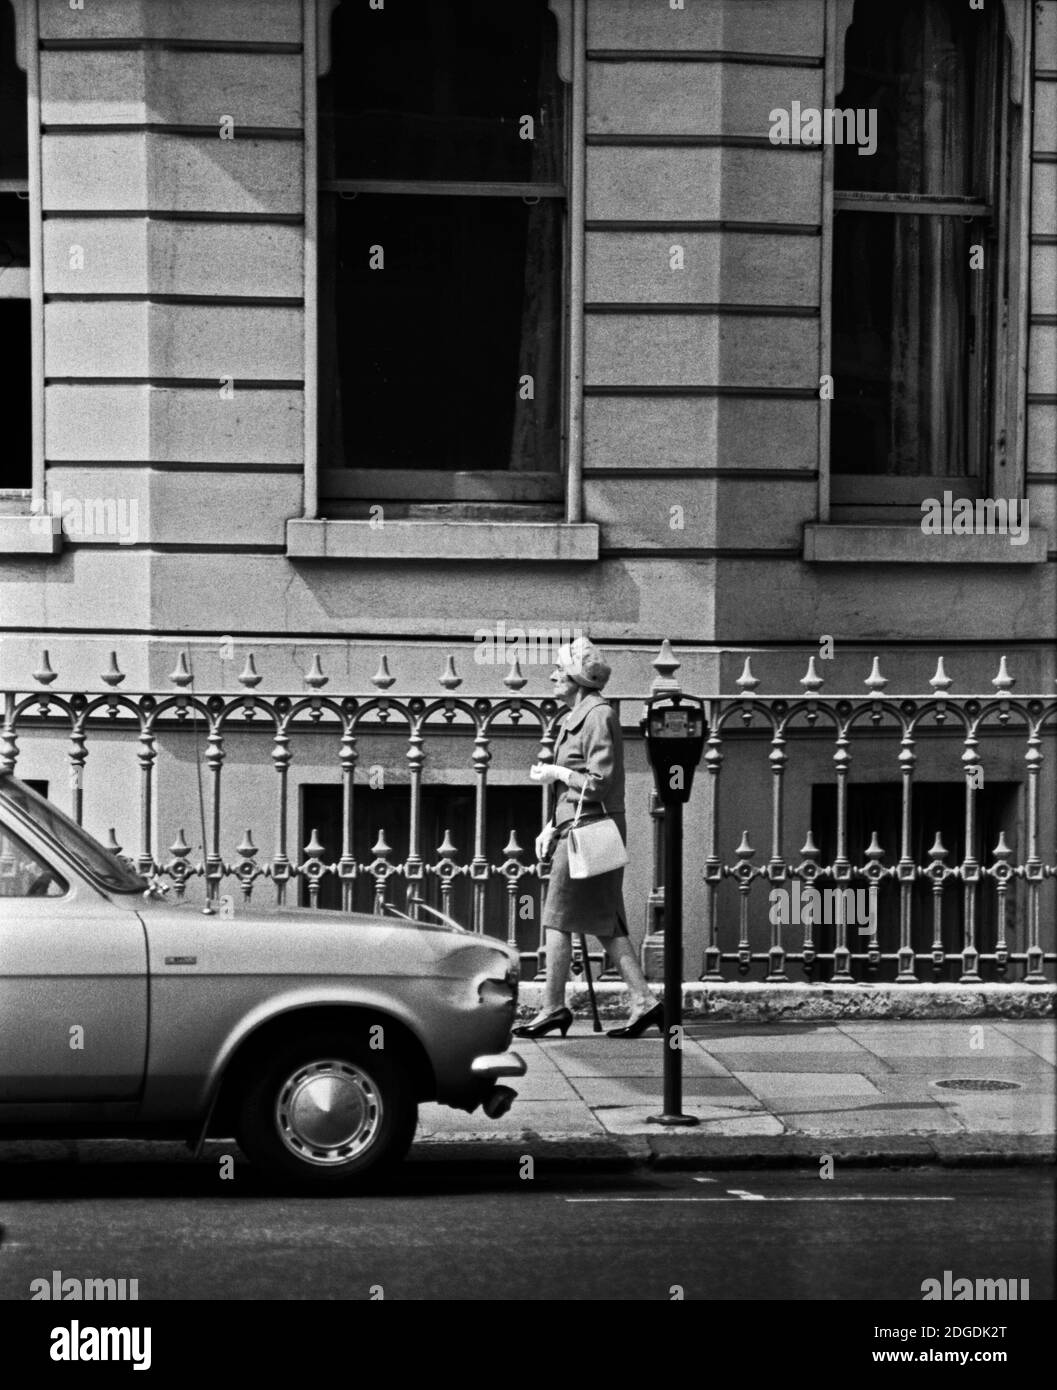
(706, 1180)
(752, 1197)
(746, 1196)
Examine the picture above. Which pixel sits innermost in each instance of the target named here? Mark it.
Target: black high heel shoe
(637, 1026)
(560, 1018)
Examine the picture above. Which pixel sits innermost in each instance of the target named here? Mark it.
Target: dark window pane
(14, 230)
(936, 807)
(901, 358)
(424, 89)
(17, 469)
(926, 67)
(14, 157)
(421, 361)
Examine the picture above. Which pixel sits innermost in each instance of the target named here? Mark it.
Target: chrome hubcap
(328, 1112)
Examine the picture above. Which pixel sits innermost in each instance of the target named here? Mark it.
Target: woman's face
(564, 686)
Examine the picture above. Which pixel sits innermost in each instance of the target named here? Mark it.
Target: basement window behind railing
(937, 808)
(441, 249)
(443, 810)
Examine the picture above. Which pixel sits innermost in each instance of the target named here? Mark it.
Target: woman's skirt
(591, 905)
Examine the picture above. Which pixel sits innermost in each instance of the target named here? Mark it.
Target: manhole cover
(977, 1084)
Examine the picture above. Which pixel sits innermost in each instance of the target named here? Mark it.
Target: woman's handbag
(595, 848)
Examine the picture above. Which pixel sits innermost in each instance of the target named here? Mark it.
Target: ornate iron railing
(741, 720)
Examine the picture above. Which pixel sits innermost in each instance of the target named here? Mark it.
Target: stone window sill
(909, 545)
(529, 541)
(24, 535)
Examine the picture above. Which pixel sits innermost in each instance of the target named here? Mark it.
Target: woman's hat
(583, 663)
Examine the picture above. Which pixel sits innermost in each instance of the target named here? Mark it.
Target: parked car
(309, 1035)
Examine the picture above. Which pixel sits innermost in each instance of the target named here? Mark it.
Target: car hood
(298, 940)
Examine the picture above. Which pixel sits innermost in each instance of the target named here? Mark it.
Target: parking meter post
(674, 727)
(673, 969)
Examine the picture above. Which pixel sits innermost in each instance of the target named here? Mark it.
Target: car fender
(169, 1096)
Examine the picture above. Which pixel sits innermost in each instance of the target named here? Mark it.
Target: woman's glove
(545, 773)
(545, 841)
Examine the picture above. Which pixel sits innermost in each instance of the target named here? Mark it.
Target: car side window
(23, 874)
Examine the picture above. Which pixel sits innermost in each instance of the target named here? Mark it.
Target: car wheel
(326, 1114)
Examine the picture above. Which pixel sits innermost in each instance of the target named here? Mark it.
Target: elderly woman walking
(589, 766)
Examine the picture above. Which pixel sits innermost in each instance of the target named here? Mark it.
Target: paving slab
(695, 1063)
(539, 1084)
(636, 1090)
(1040, 1038)
(835, 1123)
(1001, 1112)
(859, 1061)
(967, 1036)
(628, 1119)
(829, 1038)
(543, 1116)
(972, 1064)
(794, 1084)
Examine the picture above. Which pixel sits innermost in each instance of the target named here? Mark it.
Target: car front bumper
(497, 1100)
(493, 1064)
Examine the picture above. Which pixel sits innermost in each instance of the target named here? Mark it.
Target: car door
(73, 983)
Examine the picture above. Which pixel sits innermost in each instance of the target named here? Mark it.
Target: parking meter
(675, 730)
(674, 727)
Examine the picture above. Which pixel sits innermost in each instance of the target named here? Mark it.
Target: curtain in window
(902, 283)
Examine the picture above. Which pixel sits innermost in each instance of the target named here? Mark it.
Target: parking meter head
(675, 730)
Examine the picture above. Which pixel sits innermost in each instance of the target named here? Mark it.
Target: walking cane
(590, 983)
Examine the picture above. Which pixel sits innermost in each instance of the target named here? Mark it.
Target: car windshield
(88, 854)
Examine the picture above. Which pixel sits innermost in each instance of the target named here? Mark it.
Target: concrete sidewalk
(780, 1092)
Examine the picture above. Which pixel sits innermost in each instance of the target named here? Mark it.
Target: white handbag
(595, 848)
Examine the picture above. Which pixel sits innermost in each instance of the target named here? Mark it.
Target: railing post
(970, 868)
(147, 754)
(776, 868)
(415, 759)
(906, 869)
(841, 864)
(1033, 868)
(281, 757)
(348, 756)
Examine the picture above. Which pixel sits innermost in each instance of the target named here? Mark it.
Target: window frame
(880, 498)
(504, 486)
(27, 56)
